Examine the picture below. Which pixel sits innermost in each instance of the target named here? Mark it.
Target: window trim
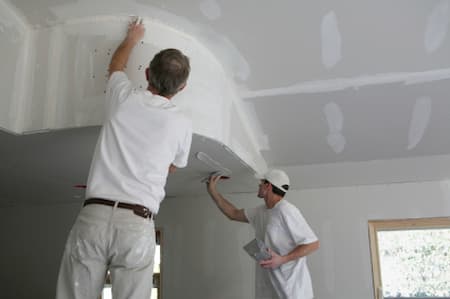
(396, 224)
(159, 238)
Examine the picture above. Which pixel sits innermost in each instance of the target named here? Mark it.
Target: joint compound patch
(437, 26)
(331, 41)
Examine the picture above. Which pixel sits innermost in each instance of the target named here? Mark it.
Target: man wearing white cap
(286, 233)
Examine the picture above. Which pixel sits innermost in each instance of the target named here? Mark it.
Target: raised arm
(227, 208)
(120, 57)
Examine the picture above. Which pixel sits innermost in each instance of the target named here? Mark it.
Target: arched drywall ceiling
(64, 71)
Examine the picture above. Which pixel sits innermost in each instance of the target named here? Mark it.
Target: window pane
(154, 293)
(415, 263)
(106, 293)
(157, 262)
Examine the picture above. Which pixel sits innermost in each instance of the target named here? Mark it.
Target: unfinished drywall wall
(203, 256)
(33, 240)
(14, 36)
(340, 269)
(217, 267)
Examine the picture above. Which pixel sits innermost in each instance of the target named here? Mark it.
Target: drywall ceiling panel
(369, 123)
(38, 12)
(318, 40)
(67, 71)
(417, 169)
(323, 82)
(328, 39)
(209, 156)
(52, 167)
(69, 76)
(290, 42)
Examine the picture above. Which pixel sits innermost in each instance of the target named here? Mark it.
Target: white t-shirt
(282, 228)
(142, 135)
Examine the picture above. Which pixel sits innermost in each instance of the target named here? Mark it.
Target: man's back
(141, 137)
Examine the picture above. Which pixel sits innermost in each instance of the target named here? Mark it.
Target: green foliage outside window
(415, 263)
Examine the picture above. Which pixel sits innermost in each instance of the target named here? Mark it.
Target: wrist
(131, 41)
(285, 259)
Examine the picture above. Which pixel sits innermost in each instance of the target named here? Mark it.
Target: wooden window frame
(396, 224)
(159, 241)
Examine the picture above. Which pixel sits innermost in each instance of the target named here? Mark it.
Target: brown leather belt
(137, 209)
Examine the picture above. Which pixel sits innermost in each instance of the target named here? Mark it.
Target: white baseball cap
(277, 178)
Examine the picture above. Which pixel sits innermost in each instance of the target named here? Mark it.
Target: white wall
(342, 269)
(32, 243)
(212, 264)
(202, 254)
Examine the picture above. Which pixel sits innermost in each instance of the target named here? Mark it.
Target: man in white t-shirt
(281, 226)
(143, 138)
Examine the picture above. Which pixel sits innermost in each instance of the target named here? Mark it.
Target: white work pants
(105, 238)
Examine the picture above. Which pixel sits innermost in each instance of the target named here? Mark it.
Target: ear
(147, 73)
(182, 87)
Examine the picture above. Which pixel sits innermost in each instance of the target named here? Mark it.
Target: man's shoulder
(259, 208)
(117, 77)
(173, 113)
(254, 213)
(284, 203)
(286, 207)
(183, 120)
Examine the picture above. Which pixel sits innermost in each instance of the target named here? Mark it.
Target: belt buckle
(141, 211)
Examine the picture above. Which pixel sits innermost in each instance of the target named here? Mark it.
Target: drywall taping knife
(218, 170)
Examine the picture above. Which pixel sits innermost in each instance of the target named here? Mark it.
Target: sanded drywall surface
(71, 74)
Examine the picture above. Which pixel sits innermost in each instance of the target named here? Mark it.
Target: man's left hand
(274, 262)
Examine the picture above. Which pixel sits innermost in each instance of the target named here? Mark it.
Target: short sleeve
(297, 227)
(250, 214)
(256, 218)
(181, 158)
(118, 89)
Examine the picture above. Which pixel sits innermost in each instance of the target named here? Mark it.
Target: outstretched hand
(136, 31)
(120, 57)
(274, 262)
